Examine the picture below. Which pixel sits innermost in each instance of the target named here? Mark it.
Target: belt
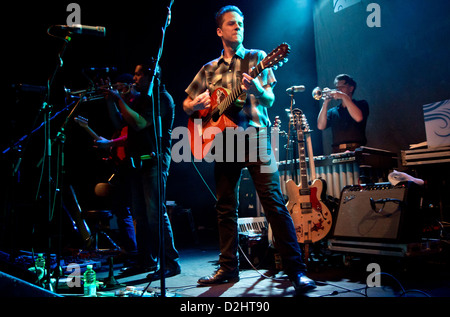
(140, 159)
(147, 157)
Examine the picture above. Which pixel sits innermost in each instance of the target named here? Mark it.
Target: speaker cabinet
(379, 212)
(11, 286)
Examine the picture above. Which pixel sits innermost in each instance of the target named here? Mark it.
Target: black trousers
(267, 184)
(145, 198)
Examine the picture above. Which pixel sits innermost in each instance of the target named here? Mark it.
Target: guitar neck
(92, 133)
(302, 160)
(312, 166)
(236, 92)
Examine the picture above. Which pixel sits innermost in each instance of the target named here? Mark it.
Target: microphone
(294, 89)
(84, 29)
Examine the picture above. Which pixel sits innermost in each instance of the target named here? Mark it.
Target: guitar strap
(245, 64)
(250, 60)
(235, 113)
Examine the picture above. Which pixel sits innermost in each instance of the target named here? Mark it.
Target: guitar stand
(313, 248)
(306, 252)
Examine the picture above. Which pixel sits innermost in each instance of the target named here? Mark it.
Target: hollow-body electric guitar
(312, 218)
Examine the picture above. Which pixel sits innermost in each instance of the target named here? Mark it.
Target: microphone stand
(46, 109)
(290, 153)
(19, 147)
(158, 129)
(59, 184)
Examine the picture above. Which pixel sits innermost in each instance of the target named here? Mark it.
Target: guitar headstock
(305, 124)
(300, 121)
(277, 57)
(81, 121)
(297, 115)
(277, 122)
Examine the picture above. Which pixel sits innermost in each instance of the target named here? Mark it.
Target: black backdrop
(399, 67)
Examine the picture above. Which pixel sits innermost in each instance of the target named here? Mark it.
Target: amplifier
(379, 212)
(253, 240)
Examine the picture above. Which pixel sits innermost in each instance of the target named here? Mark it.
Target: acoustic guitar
(205, 124)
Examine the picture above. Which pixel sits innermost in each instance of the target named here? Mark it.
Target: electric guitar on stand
(225, 105)
(312, 218)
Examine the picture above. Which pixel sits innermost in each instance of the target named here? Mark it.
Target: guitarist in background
(228, 71)
(117, 187)
(120, 196)
(119, 138)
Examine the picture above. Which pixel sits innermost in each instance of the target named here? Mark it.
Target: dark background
(399, 67)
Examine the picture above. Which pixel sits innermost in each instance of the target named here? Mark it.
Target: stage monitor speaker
(379, 212)
(11, 286)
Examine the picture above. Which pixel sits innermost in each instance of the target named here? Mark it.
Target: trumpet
(325, 93)
(98, 92)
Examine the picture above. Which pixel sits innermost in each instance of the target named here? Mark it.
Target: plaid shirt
(219, 73)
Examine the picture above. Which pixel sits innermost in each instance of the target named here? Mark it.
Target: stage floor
(336, 275)
(340, 278)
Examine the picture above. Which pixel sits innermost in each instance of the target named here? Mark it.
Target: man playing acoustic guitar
(231, 71)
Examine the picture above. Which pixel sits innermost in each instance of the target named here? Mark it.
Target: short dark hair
(225, 9)
(348, 80)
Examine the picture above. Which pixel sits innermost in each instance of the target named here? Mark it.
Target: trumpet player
(348, 120)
